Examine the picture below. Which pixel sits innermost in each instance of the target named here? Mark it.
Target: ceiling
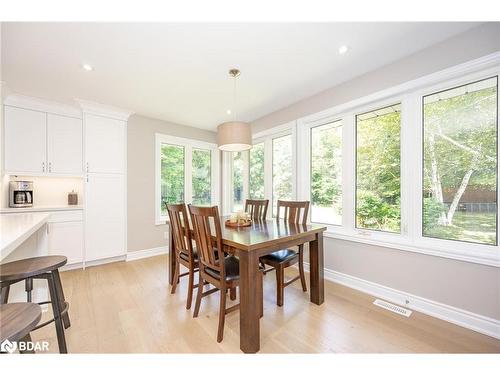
(178, 72)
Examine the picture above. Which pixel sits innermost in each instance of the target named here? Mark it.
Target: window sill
(489, 257)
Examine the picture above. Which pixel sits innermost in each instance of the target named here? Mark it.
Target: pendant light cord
(234, 98)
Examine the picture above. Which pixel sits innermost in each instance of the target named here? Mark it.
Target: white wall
(468, 286)
(142, 232)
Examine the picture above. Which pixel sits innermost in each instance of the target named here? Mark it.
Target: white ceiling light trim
(234, 135)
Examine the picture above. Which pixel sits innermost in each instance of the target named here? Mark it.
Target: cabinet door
(25, 140)
(67, 239)
(65, 144)
(104, 144)
(105, 216)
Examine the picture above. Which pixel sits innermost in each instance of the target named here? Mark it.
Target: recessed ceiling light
(87, 67)
(343, 49)
(228, 111)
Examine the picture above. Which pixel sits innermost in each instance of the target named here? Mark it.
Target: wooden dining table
(249, 244)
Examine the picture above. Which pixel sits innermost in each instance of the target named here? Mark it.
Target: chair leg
(176, 277)
(280, 276)
(4, 294)
(56, 309)
(198, 295)
(232, 293)
(222, 314)
(62, 300)
(301, 268)
(190, 289)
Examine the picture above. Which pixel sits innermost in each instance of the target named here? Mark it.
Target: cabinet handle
(87, 166)
(50, 166)
(43, 166)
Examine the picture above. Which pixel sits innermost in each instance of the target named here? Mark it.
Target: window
(201, 177)
(282, 170)
(256, 172)
(378, 169)
(172, 175)
(326, 173)
(460, 163)
(186, 171)
(238, 167)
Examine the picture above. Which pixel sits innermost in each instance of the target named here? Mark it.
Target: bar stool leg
(62, 300)
(29, 288)
(4, 294)
(56, 308)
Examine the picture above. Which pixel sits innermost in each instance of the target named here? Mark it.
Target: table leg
(171, 258)
(249, 308)
(316, 271)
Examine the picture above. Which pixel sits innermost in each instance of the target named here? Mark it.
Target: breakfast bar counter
(24, 235)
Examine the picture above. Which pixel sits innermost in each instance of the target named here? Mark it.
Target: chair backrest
(179, 225)
(205, 221)
(293, 211)
(257, 208)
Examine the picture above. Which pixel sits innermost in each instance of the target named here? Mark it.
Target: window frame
(410, 96)
(356, 114)
(189, 145)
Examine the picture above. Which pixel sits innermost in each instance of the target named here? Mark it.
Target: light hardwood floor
(126, 307)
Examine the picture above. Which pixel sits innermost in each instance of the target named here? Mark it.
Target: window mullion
(348, 172)
(188, 181)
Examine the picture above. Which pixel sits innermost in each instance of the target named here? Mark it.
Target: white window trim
(189, 145)
(410, 95)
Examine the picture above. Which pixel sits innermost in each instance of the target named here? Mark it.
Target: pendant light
(234, 135)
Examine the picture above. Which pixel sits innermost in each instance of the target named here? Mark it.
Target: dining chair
(295, 212)
(257, 208)
(215, 267)
(185, 253)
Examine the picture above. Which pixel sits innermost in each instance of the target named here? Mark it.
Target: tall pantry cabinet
(105, 184)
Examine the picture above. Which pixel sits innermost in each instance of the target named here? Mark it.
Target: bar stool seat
(44, 267)
(17, 320)
(25, 268)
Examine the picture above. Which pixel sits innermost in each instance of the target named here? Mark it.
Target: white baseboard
(460, 317)
(146, 253)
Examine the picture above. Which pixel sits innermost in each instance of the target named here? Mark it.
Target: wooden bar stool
(17, 320)
(45, 267)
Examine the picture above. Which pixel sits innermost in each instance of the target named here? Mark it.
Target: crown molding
(42, 105)
(103, 110)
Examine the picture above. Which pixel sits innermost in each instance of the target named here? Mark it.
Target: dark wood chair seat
(232, 265)
(17, 320)
(29, 267)
(280, 256)
(185, 255)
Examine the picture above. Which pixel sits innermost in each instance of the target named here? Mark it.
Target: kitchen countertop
(40, 209)
(16, 228)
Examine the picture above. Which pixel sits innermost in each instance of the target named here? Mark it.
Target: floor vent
(391, 307)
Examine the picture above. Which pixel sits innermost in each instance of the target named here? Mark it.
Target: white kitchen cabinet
(25, 140)
(64, 144)
(66, 238)
(105, 216)
(105, 144)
